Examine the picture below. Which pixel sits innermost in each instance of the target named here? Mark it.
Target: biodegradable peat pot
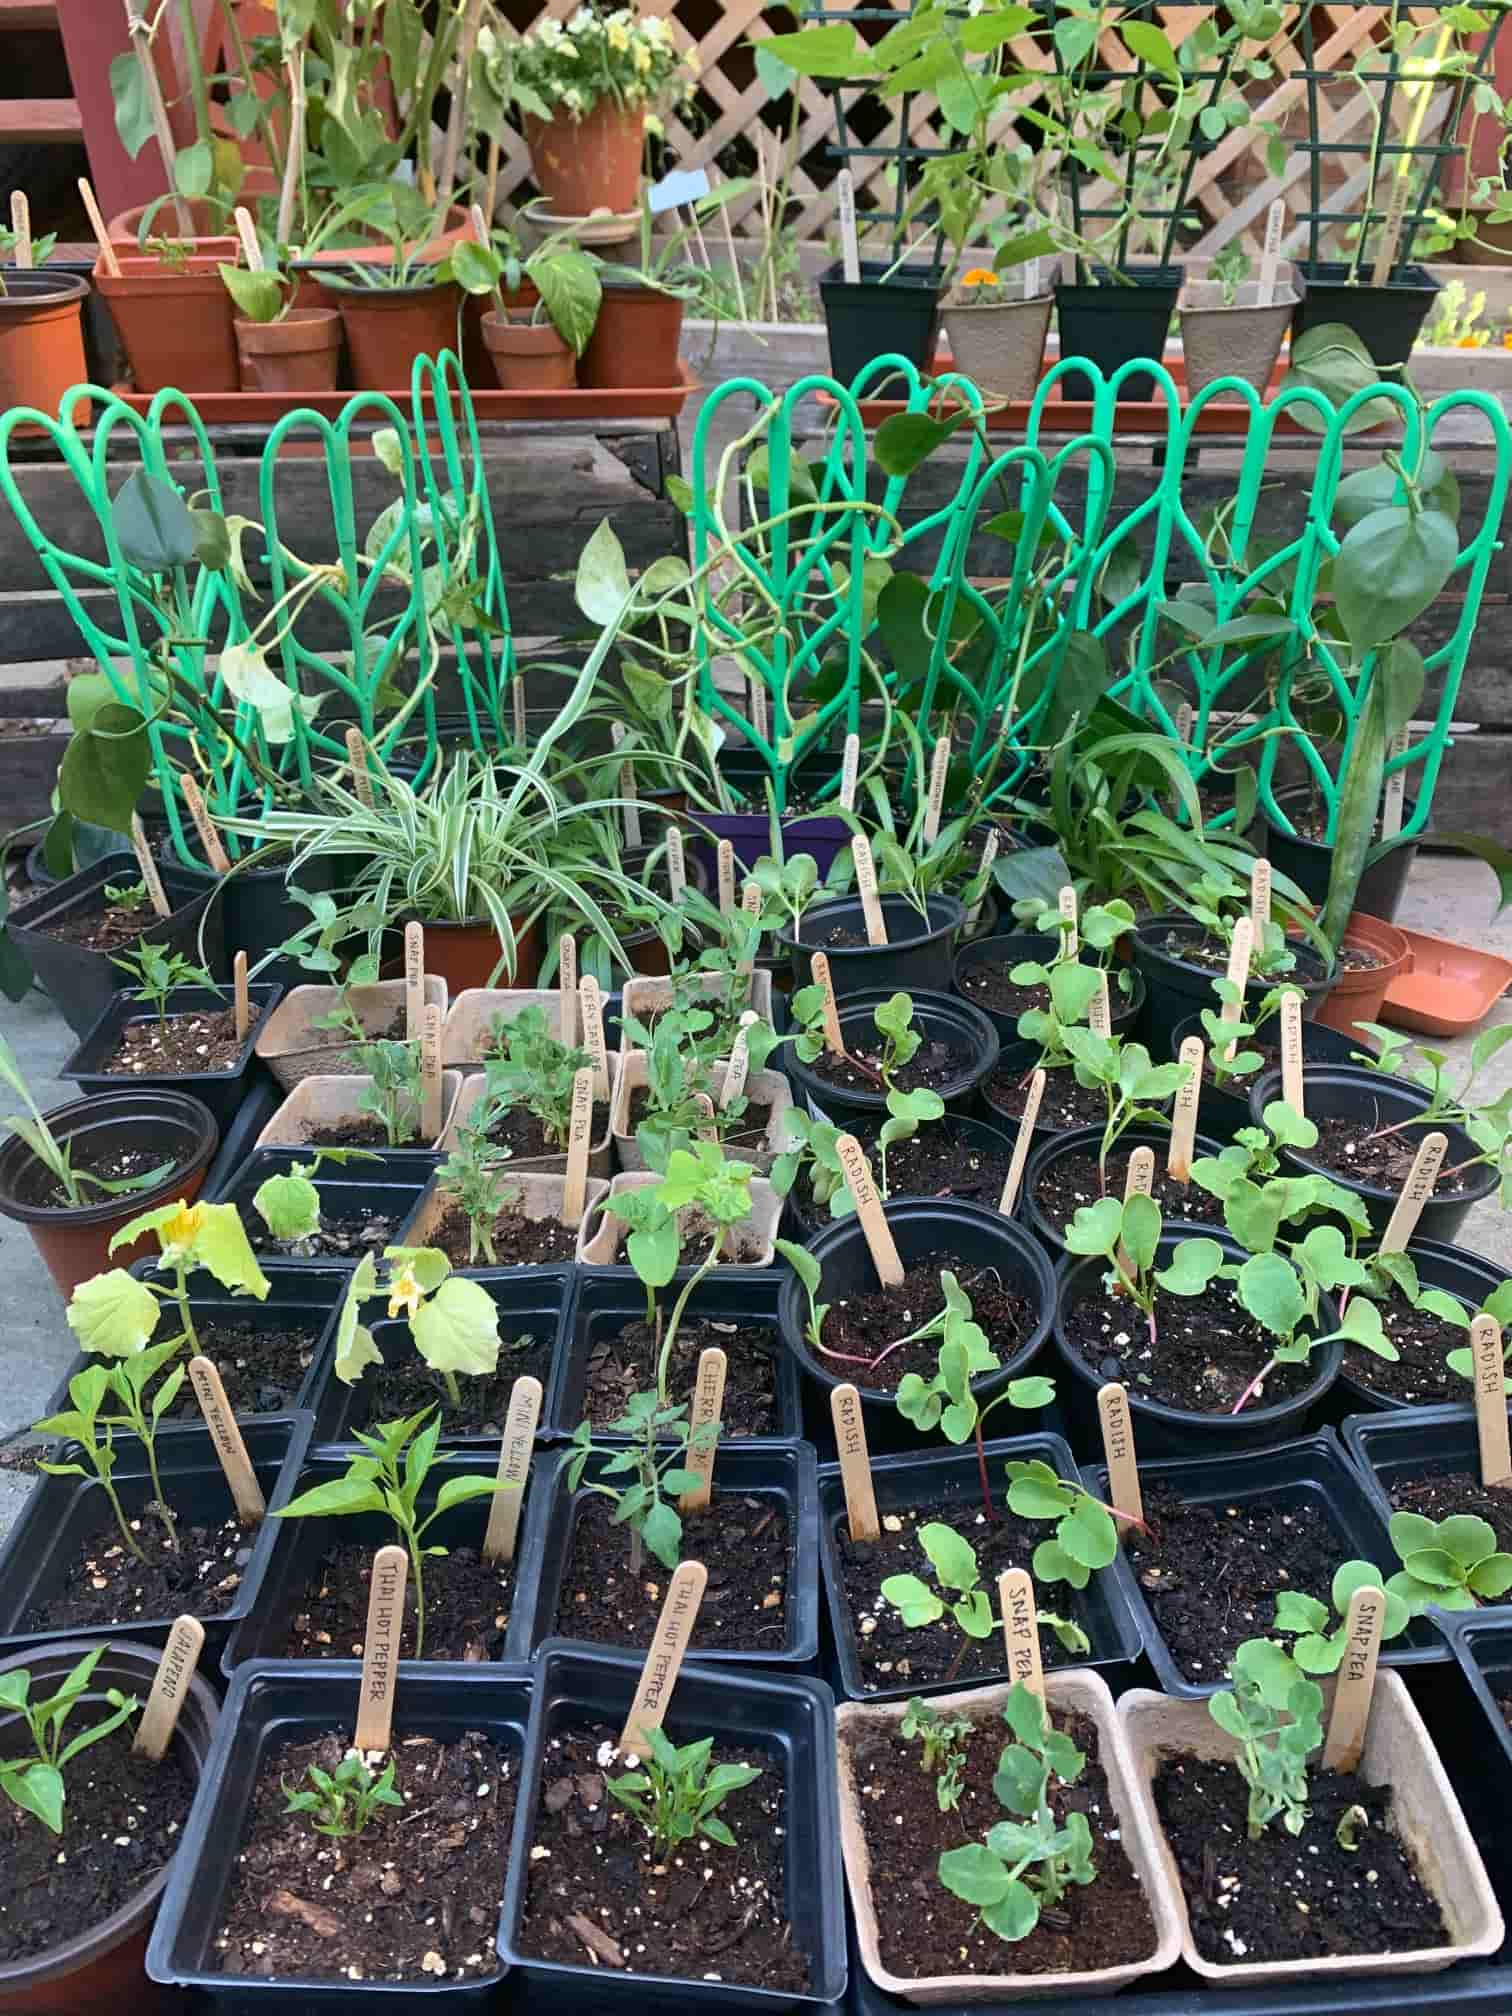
(792, 1719)
(918, 953)
(762, 1088)
(1178, 987)
(299, 352)
(268, 1706)
(754, 1237)
(1470, 1278)
(1000, 345)
(74, 1240)
(528, 356)
(943, 1018)
(319, 1102)
(41, 338)
(1424, 1813)
(635, 339)
(472, 1014)
(101, 1967)
(387, 328)
(886, 313)
(1386, 319)
(1354, 1092)
(1163, 1430)
(648, 994)
(1112, 324)
(175, 322)
(221, 1091)
(1241, 338)
(350, 1197)
(1049, 1149)
(1066, 1693)
(534, 1195)
(472, 1088)
(1223, 1113)
(1358, 993)
(591, 163)
(293, 1049)
(1014, 948)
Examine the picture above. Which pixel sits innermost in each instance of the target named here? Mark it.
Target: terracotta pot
(208, 218)
(298, 353)
(1358, 995)
(387, 328)
(634, 341)
(592, 163)
(75, 1242)
(458, 227)
(175, 321)
(41, 338)
(528, 356)
(465, 955)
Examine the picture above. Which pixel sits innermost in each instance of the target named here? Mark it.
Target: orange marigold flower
(979, 276)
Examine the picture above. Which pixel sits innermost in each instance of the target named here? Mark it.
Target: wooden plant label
(362, 783)
(819, 967)
(1416, 1191)
(1100, 1009)
(739, 1066)
(989, 855)
(1118, 1451)
(1490, 1402)
(1139, 1182)
(705, 1106)
(517, 709)
(21, 226)
(1394, 797)
(430, 1074)
(1291, 1050)
(1391, 230)
(579, 1140)
(669, 1641)
(1031, 279)
(414, 981)
(1356, 1682)
(242, 995)
(1270, 258)
(209, 839)
(708, 1405)
(633, 836)
(108, 257)
(1022, 1143)
(1066, 903)
(149, 867)
(750, 903)
(850, 257)
(1185, 716)
(567, 990)
(866, 883)
(1184, 1116)
(939, 766)
(850, 770)
(760, 719)
(380, 1649)
(1021, 1629)
(855, 1463)
(1238, 975)
(591, 1003)
(170, 1688)
(246, 1492)
(724, 856)
(874, 1226)
(1260, 898)
(677, 863)
(508, 1501)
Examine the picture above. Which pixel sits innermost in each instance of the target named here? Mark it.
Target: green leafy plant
(1320, 1643)
(678, 1792)
(56, 1156)
(680, 1068)
(1223, 1036)
(965, 1598)
(289, 1203)
(154, 974)
(943, 1738)
(656, 1463)
(1127, 1235)
(1135, 1089)
(528, 1067)
(126, 1383)
(126, 895)
(393, 1093)
(453, 1322)
(1488, 1122)
(474, 1178)
(565, 278)
(341, 1803)
(1448, 1564)
(1085, 1538)
(36, 1783)
(1275, 1714)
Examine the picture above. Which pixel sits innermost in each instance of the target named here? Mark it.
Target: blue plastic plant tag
(683, 185)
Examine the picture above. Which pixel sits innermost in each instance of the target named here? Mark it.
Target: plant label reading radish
(1487, 1358)
(819, 967)
(1021, 1630)
(724, 857)
(227, 1437)
(590, 1001)
(1356, 1682)
(739, 1066)
(1240, 948)
(1118, 1451)
(579, 1133)
(380, 1648)
(170, 1686)
(855, 1463)
(1184, 1114)
(1394, 796)
(1391, 230)
(674, 1627)
(677, 863)
(1292, 1089)
(148, 866)
(1416, 1191)
(1022, 1143)
(362, 783)
(414, 980)
(703, 1428)
(210, 840)
(939, 770)
(850, 770)
(1100, 1009)
(1260, 899)
(866, 884)
(1139, 1182)
(567, 986)
(515, 1451)
(430, 1074)
(879, 1240)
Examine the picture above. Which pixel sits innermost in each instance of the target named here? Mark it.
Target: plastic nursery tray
(1447, 989)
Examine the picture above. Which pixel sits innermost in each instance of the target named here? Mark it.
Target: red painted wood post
(94, 31)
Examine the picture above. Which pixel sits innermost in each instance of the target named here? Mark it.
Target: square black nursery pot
(1114, 323)
(610, 1297)
(266, 1707)
(1311, 1475)
(62, 1512)
(347, 1193)
(222, 1091)
(779, 1474)
(1103, 1609)
(1386, 319)
(791, 1718)
(884, 313)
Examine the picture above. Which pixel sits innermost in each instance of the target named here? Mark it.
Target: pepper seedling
(342, 1803)
(36, 1783)
(154, 974)
(964, 1597)
(1447, 1564)
(677, 1792)
(662, 1440)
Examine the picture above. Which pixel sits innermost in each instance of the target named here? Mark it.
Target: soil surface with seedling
(1213, 955)
(989, 987)
(414, 1897)
(393, 1392)
(341, 1235)
(1290, 1897)
(517, 1241)
(597, 1896)
(624, 1362)
(1210, 1572)
(36, 1185)
(743, 1542)
(122, 1820)
(922, 1928)
(891, 1654)
(467, 1604)
(1064, 1106)
(1419, 1377)
(180, 1045)
(361, 1134)
(861, 1327)
(932, 1163)
(1207, 1350)
(103, 930)
(524, 1135)
(749, 1132)
(1355, 1149)
(104, 1584)
(261, 1370)
(1442, 1493)
(932, 1066)
(1064, 1185)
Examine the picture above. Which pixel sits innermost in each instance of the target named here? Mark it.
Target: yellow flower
(979, 276)
(619, 38)
(181, 1230)
(405, 1294)
(642, 58)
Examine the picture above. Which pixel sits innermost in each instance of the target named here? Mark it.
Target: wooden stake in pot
(209, 839)
(845, 196)
(141, 47)
(1066, 904)
(850, 770)
(739, 1066)
(579, 1139)
(1185, 716)
(1356, 1682)
(1118, 1452)
(855, 1463)
(674, 1628)
(362, 783)
(1487, 1357)
(630, 810)
(705, 1106)
(819, 967)
(567, 994)
(430, 1074)
(414, 981)
(1291, 1051)
(1415, 1193)
(1270, 257)
(149, 867)
(984, 868)
(866, 884)
(939, 769)
(760, 718)
(1394, 796)
(1184, 1117)
(1100, 1008)
(750, 903)
(380, 1649)
(246, 231)
(170, 1688)
(724, 856)
(1260, 898)
(1240, 949)
(243, 998)
(1021, 1629)
(108, 257)
(591, 1005)
(708, 1405)
(874, 1226)
(1139, 1182)
(515, 1450)
(1391, 230)
(246, 1492)
(677, 864)
(1022, 1143)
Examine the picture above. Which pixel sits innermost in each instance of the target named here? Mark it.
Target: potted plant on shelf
(280, 346)
(635, 339)
(402, 308)
(538, 353)
(41, 325)
(1227, 330)
(173, 314)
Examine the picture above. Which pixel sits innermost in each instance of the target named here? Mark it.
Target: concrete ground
(1449, 897)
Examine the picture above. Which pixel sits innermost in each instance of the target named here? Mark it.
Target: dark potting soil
(414, 1897)
(743, 1542)
(989, 987)
(261, 1370)
(180, 1045)
(397, 1391)
(1419, 1375)
(105, 929)
(106, 1585)
(1359, 959)
(523, 1134)
(360, 1134)
(1213, 954)
(1070, 1181)
(122, 1818)
(861, 1327)
(37, 1186)
(891, 1652)
(933, 1163)
(932, 1065)
(340, 1237)
(750, 1131)
(625, 1363)
(467, 1602)
(517, 1241)
(922, 1929)
(1357, 1151)
(1291, 1897)
(597, 1895)
(1207, 1350)
(1064, 1106)
(1210, 1572)
(1441, 1493)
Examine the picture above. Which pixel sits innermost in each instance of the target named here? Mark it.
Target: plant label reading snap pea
(579, 1133)
(850, 257)
(759, 718)
(1260, 899)
(1270, 257)
(414, 981)
(246, 1492)
(939, 769)
(243, 998)
(1292, 1090)
(724, 856)
(1391, 230)
(850, 770)
(1490, 1402)
(210, 840)
(703, 1424)
(677, 863)
(1066, 903)
(567, 986)
(750, 903)
(170, 1688)
(1022, 1143)
(984, 869)
(1100, 1009)
(1416, 1191)
(362, 784)
(674, 1627)
(855, 1463)
(819, 967)
(739, 1066)
(705, 1106)
(630, 810)
(1184, 719)
(590, 1001)
(430, 1074)
(1021, 1629)
(514, 1468)
(1184, 1116)
(866, 884)
(1118, 1452)
(148, 866)
(1356, 1682)
(874, 1226)
(380, 1648)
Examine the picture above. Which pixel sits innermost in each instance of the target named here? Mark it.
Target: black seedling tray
(392, 1188)
(222, 1091)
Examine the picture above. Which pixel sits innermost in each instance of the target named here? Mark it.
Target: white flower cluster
(597, 54)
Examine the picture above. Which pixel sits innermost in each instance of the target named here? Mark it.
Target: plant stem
(981, 1449)
(452, 1393)
(121, 1520)
(181, 1297)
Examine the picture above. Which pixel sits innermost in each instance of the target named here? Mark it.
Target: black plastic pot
(1469, 1277)
(1358, 1092)
(256, 909)
(1087, 1140)
(928, 1477)
(1009, 951)
(807, 1222)
(918, 1225)
(608, 1298)
(1409, 1443)
(1177, 988)
(943, 1018)
(791, 1718)
(1310, 862)
(1223, 1113)
(222, 1091)
(81, 981)
(914, 959)
(1481, 1644)
(1313, 1477)
(345, 1193)
(1112, 324)
(884, 313)
(268, 1706)
(1386, 319)
(784, 1475)
(62, 1512)
(1160, 1430)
